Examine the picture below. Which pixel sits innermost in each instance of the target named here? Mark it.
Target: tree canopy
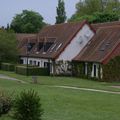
(61, 14)
(27, 22)
(97, 17)
(97, 11)
(8, 46)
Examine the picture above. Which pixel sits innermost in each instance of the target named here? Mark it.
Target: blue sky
(47, 8)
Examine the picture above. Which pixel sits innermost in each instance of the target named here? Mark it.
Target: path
(87, 89)
(65, 87)
(10, 78)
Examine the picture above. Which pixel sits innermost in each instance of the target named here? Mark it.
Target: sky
(47, 8)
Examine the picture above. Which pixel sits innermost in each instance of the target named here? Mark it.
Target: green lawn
(68, 104)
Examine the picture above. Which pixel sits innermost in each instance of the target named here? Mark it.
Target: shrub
(5, 103)
(111, 70)
(7, 66)
(27, 106)
(31, 70)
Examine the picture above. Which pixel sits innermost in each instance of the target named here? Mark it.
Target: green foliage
(8, 46)
(105, 17)
(28, 106)
(61, 14)
(27, 22)
(7, 66)
(5, 103)
(111, 71)
(96, 11)
(98, 17)
(31, 70)
(78, 69)
(88, 7)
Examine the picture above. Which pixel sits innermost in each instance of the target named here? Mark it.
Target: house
(99, 51)
(55, 46)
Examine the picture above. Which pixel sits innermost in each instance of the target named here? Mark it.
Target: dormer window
(80, 40)
(46, 46)
(30, 46)
(40, 46)
(58, 46)
(52, 47)
(87, 35)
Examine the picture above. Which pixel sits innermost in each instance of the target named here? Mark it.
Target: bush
(27, 106)
(5, 103)
(111, 70)
(31, 70)
(7, 66)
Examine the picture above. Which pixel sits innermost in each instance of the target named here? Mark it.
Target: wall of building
(63, 68)
(35, 61)
(77, 44)
(88, 70)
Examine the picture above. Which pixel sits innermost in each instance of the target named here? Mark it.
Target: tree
(27, 22)
(88, 7)
(92, 10)
(61, 14)
(8, 46)
(98, 17)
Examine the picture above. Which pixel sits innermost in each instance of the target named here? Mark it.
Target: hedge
(7, 66)
(23, 70)
(111, 71)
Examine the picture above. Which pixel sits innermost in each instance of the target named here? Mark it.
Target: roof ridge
(67, 23)
(105, 23)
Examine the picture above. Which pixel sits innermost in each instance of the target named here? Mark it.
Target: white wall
(41, 61)
(77, 44)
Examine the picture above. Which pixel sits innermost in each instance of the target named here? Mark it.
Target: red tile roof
(102, 47)
(23, 38)
(106, 24)
(61, 35)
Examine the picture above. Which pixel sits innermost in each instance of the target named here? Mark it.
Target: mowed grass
(66, 81)
(68, 104)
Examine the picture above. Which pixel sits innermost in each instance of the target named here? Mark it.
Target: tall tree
(27, 22)
(61, 14)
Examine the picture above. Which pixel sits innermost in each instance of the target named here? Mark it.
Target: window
(108, 43)
(95, 68)
(38, 63)
(30, 62)
(53, 47)
(80, 40)
(86, 69)
(40, 46)
(34, 62)
(47, 46)
(58, 46)
(87, 35)
(30, 46)
(45, 64)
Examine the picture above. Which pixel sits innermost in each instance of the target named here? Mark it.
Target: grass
(68, 104)
(66, 81)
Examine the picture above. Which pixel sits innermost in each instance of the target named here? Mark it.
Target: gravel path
(10, 78)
